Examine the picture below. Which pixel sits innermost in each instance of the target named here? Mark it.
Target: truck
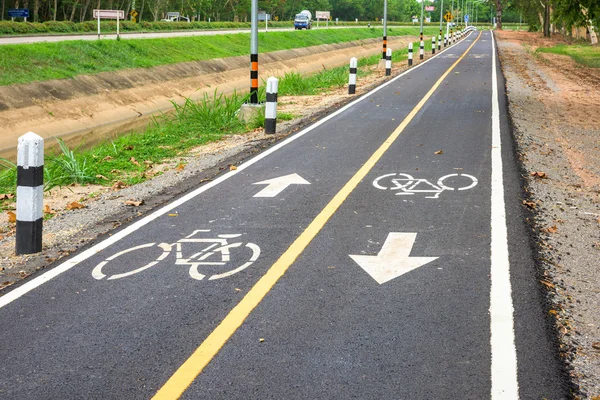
(303, 20)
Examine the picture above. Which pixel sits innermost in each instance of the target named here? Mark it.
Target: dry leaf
(232, 167)
(439, 152)
(596, 345)
(107, 158)
(261, 340)
(118, 185)
(134, 203)
(552, 312)
(173, 215)
(550, 285)
(12, 217)
(48, 210)
(180, 167)
(130, 147)
(134, 161)
(102, 177)
(74, 205)
(529, 204)
(552, 229)
(6, 196)
(541, 175)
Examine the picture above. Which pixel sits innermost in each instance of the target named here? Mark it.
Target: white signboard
(323, 15)
(109, 14)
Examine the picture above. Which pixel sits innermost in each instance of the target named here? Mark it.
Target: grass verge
(583, 54)
(132, 158)
(44, 61)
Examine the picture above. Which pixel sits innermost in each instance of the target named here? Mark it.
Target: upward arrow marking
(394, 258)
(278, 185)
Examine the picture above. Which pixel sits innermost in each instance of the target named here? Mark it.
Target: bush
(60, 26)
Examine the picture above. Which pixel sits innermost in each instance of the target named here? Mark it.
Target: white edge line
(45, 277)
(503, 351)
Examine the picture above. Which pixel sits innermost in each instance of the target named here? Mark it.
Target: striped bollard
(30, 193)
(352, 81)
(445, 40)
(388, 62)
(451, 36)
(433, 45)
(410, 54)
(422, 50)
(440, 41)
(271, 106)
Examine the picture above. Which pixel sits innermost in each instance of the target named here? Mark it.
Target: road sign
(264, 17)
(173, 14)
(466, 18)
(109, 14)
(278, 185)
(448, 16)
(429, 8)
(393, 259)
(322, 14)
(18, 12)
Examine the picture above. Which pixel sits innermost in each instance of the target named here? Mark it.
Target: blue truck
(303, 20)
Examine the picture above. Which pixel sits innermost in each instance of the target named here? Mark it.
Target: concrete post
(352, 80)
(388, 62)
(30, 193)
(433, 45)
(271, 106)
(422, 50)
(410, 54)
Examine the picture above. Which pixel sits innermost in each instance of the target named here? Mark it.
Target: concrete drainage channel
(86, 110)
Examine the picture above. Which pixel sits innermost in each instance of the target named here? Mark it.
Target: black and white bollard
(352, 81)
(30, 193)
(433, 45)
(388, 62)
(410, 54)
(439, 42)
(445, 40)
(271, 106)
(422, 50)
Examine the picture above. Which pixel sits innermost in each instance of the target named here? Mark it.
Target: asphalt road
(395, 264)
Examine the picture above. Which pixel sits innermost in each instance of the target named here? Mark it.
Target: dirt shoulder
(554, 105)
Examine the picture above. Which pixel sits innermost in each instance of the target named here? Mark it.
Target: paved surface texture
(275, 290)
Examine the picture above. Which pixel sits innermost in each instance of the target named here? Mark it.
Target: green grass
(63, 60)
(583, 54)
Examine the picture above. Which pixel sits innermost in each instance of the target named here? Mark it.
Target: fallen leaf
(74, 205)
(118, 185)
(541, 175)
(180, 167)
(107, 158)
(12, 217)
(238, 290)
(552, 312)
(550, 285)
(261, 340)
(130, 147)
(439, 152)
(173, 215)
(6, 196)
(596, 345)
(232, 167)
(134, 203)
(102, 177)
(134, 161)
(48, 210)
(552, 229)
(529, 204)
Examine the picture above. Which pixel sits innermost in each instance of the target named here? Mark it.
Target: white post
(422, 50)
(271, 106)
(352, 80)
(98, 24)
(30, 193)
(117, 26)
(410, 54)
(433, 45)
(388, 62)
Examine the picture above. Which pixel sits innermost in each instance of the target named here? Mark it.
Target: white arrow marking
(278, 185)
(394, 258)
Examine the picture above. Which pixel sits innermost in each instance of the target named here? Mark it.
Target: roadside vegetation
(583, 54)
(133, 158)
(62, 60)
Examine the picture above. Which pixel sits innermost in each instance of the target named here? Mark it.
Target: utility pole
(254, 53)
(422, 9)
(385, 29)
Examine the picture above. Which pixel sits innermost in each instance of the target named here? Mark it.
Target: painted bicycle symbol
(215, 254)
(405, 184)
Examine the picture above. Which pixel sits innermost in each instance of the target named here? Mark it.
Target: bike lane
(330, 330)
(124, 337)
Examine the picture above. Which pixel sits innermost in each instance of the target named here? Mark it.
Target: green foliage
(67, 168)
(8, 176)
(582, 54)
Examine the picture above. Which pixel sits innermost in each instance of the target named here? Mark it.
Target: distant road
(136, 35)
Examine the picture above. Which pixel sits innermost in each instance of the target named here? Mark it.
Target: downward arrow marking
(278, 185)
(394, 258)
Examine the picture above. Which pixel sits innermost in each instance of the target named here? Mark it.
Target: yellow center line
(194, 365)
